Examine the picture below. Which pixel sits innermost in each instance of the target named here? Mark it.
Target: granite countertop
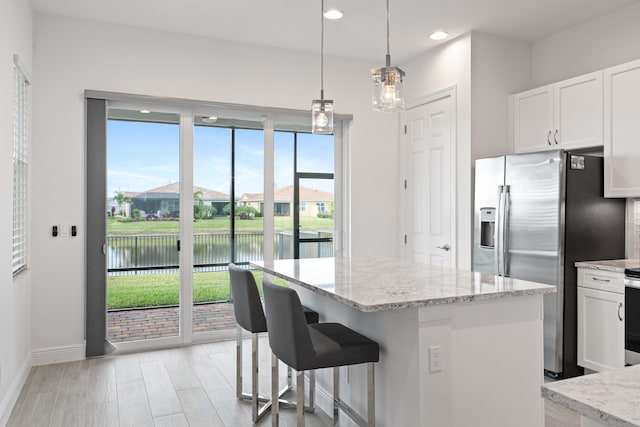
(611, 398)
(615, 265)
(376, 284)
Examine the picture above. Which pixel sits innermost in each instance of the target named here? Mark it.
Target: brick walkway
(131, 325)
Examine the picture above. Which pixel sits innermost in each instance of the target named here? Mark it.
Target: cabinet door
(600, 329)
(533, 120)
(578, 112)
(622, 130)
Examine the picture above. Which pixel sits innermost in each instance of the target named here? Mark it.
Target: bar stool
(308, 347)
(249, 315)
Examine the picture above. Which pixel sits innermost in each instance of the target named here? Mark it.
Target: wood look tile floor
(186, 386)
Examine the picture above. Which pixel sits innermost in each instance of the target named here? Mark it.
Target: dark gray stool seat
(307, 347)
(337, 345)
(249, 314)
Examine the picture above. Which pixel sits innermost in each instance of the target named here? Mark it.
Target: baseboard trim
(9, 401)
(67, 353)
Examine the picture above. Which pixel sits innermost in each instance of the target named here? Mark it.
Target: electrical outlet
(435, 358)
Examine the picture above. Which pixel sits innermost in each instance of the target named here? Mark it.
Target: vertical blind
(20, 169)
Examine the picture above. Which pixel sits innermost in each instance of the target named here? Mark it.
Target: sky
(142, 156)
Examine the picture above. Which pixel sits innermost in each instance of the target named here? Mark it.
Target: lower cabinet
(600, 320)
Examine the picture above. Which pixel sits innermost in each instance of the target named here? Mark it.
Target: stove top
(632, 273)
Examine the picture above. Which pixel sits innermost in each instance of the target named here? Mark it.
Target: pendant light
(387, 83)
(322, 109)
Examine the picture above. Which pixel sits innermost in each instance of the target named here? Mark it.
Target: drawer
(602, 280)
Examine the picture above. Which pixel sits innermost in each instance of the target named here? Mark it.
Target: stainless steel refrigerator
(536, 215)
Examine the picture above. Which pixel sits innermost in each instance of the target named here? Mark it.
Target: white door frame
(451, 92)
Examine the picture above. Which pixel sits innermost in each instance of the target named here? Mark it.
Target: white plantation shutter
(20, 168)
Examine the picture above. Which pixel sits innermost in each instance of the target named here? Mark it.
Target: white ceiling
(295, 24)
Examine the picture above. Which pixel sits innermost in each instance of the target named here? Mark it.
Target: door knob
(445, 247)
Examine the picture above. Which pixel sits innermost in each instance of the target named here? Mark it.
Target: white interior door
(430, 198)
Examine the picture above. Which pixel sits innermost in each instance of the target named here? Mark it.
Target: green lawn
(216, 224)
(149, 290)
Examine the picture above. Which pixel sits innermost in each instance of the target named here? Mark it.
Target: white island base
(491, 362)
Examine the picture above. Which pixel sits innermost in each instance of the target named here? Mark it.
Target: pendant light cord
(388, 62)
(322, 49)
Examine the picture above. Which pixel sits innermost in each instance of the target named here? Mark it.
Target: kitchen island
(610, 398)
(456, 348)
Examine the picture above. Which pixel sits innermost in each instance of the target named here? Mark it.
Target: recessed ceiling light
(145, 111)
(438, 35)
(333, 14)
(210, 119)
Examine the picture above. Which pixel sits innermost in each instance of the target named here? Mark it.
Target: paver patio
(139, 324)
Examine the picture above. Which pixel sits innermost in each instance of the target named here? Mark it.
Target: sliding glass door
(228, 158)
(143, 225)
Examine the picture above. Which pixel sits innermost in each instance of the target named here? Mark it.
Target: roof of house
(285, 194)
(171, 191)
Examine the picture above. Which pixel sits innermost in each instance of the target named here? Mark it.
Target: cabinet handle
(549, 137)
(620, 307)
(601, 280)
(555, 136)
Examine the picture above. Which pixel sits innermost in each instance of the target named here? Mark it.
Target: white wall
(485, 69)
(499, 68)
(602, 42)
(445, 66)
(15, 313)
(72, 55)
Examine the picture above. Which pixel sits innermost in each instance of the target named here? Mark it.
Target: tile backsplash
(633, 229)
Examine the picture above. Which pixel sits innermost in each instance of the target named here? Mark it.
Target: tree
(120, 198)
(197, 198)
(243, 212)
(204, 211)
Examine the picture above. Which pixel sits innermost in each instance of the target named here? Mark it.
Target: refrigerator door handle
(498, 231)
(505, 230)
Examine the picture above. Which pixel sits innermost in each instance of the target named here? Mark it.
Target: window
(20, 168)
(320, 206)
(303, 206)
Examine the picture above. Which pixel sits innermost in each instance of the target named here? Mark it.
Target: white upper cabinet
(567, 114)
(533, 119)
(622, 130)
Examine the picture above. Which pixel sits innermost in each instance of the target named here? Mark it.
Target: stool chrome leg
(254, 377)
(312, 391)
(275, 401)
(371, 395)
(300, 398)
(336, 396)
(238, 361)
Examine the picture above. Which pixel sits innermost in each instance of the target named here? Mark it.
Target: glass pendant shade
(322, 116)
(387, 92)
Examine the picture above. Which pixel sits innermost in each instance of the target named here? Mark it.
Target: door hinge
(405, 184)
(405, 239)
(405, 129)
(178, 245)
